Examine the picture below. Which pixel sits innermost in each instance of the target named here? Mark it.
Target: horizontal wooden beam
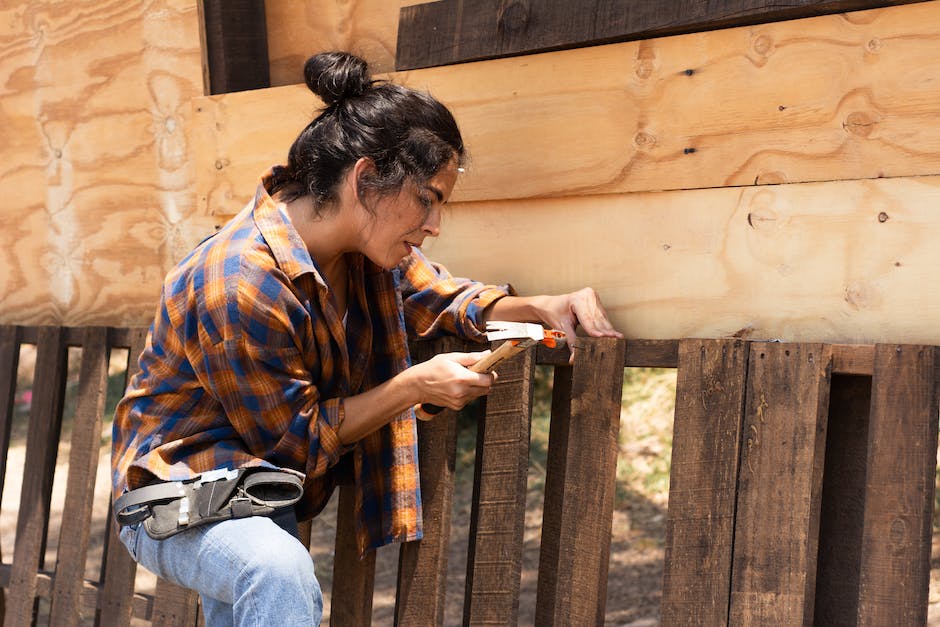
(454, 31)
(835, 97)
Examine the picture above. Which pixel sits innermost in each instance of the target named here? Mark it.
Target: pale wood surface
(826, 98)
(96, 162)
(800, 262)
(297, 30)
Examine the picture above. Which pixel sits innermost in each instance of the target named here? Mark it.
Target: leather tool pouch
(168, 508)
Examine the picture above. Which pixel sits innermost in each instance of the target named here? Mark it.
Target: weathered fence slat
(710, 392)
(422, 566)
(353, 579)
(42, 441)
(902, 461)
(118, 569)
(497, 522)
(579, 488)
(779, 484)
(67, 604)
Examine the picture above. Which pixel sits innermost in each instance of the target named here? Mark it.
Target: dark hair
(406, 133)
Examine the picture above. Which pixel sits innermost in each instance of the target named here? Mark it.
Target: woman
(281, 343)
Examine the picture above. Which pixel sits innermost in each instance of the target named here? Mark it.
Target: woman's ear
(361, 170)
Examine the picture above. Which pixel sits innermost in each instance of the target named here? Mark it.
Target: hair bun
(334, 76)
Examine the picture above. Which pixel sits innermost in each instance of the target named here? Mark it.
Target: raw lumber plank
(838, 262)
(773, 576)
(67, 603)
(899, 493)
(367, 28)
(580, 485)
(42, 439)
(118, 569)
(710, 392)
(236, 45)
(353, 578)
(843, 502)
(826, 98)
(497, 519)
(174, 606)
(422, 566)
(455, 31)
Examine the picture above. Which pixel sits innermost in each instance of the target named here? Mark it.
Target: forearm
(516, 309)
(370, 410)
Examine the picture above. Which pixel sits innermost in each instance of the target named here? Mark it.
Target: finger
(468, 359)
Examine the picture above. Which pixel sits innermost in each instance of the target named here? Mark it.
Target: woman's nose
(432, 225)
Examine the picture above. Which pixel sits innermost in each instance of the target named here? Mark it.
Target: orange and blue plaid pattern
(248, 361)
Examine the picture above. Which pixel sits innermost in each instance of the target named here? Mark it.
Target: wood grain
(94, 113)
(580, 486)
(842, 262)
(353, 578)
(773, 576)
(827, 98)
(455, 31)
(710, 389)
(497, 519)
(900, 487)
(368, 28)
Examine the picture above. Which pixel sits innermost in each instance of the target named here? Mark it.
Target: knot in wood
(763, 45)
(860, 123)
(873, 45)
(644, 140)
(514, 16)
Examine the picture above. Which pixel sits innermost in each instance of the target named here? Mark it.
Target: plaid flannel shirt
(247, 364)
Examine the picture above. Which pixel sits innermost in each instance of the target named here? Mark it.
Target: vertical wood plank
(67, 603)
(174, 606)
(902, 461)
(779, 484)
(119, 570)
(45, 422)
(422, 566)
(497, 522)
(710, 392)
(235, 46)
(579, 489)
(353, 579)
(843, 502)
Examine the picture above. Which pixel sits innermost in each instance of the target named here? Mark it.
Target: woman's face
(404, 220)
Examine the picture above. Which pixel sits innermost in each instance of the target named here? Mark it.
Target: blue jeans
(247, 571)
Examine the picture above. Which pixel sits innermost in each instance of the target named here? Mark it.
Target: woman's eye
(425, 201)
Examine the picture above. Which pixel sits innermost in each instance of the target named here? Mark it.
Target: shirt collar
(282, 238)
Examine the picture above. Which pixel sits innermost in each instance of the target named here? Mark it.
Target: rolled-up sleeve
(437, 303)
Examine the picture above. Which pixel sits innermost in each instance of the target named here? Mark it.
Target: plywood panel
(833, 97)
(96, 166)
(848, 261)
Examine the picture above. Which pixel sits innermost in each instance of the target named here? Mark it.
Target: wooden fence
(802, 489)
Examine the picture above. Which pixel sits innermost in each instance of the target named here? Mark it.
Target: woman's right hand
(445, 380)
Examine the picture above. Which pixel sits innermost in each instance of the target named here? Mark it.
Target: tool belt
(168, 508)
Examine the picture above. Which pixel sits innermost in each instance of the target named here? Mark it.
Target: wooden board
(454, 31)
(67, 607)
(368, 28)
(826, 98)
(235, 45)
(580, 486)
(96, 162)
(848, 262)
(353, 578)
(773, 577)
(900, 487)
(497, 520)
(710, 389)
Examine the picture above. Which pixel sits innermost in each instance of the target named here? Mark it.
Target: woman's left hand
(566, 312)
